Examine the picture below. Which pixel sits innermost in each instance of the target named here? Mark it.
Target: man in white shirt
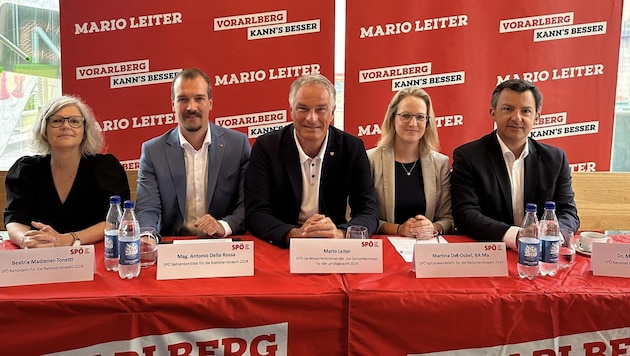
(190, 180)
(495, 176)
(301, 178)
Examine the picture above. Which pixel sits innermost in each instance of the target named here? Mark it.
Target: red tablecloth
(311, 309)
(396, 314)
(393, 313)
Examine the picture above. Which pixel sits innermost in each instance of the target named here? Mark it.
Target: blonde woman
(411, 178)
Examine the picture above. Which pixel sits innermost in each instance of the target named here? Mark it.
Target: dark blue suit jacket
(273, 184)
(481, 191)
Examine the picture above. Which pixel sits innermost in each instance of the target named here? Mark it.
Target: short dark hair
(519, 86)
(191, 73)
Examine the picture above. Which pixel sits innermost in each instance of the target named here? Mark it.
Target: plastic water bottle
(129, 243)
(528, 245)
(550, 240)
(112, 222)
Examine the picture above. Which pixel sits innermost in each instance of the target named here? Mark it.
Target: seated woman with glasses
(60, 198)
(412, 180)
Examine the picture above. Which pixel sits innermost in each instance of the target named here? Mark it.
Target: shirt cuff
(226, 227)
(510, 237)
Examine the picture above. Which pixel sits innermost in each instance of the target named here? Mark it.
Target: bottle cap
(114, 199)
(531, 207)
(128, 204)
(550, 205)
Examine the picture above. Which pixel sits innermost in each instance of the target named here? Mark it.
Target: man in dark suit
(494, 177)
(301, 178)
(190, 180)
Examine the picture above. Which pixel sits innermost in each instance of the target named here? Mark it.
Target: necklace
(408, 171)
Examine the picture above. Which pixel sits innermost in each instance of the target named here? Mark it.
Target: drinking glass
(357, 232)
(148, 246)
(567, 248)
(427, 235)
(423, 237)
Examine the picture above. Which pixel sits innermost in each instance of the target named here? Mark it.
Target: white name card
(472, 259)
(611, 260)
(202, 241)
(205, 260)
(46, 265)
(336, 256)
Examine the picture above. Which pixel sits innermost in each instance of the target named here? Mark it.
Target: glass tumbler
(567, 248)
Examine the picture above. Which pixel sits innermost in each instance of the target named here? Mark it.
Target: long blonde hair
(429, 141)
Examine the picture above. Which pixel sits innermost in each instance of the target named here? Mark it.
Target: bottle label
(550, 249)
(111, 245)
(528, 251)
(129, 252)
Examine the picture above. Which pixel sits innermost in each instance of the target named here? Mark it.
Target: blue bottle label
(549, 249)
(111, 246)
(528, 251)
(129, 252)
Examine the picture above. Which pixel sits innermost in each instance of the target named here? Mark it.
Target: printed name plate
(611, 260)
(205, 260)
(46, 265)
(336, 256)
(472, 259)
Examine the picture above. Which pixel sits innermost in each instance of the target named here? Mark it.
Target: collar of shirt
(507, 154)
(303, 156)
(184, 142)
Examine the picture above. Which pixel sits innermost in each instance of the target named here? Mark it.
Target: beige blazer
(437, 186)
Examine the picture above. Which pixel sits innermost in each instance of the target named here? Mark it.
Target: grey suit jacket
(161, 195)
(437, 186)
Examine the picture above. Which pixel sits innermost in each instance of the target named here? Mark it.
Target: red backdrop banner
(460, 50)
(121, 57)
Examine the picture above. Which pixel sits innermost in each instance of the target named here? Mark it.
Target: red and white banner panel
(460, 50)
(121, 57)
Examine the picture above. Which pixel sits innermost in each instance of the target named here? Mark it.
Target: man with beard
(190, 180)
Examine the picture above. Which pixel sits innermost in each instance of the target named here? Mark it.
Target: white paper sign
(205, 260)
(611, 260)
(201, 241)
(336, 256)
(404, 245)
(46, 265)
(471, 259)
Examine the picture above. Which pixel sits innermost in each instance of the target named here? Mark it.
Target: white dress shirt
(311, 174)
(516, 171)
(196, 162)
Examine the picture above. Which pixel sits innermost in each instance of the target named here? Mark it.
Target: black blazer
(481, 191)
(273, 184)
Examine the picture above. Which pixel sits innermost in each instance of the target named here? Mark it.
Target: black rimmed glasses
(420, 118)
(73, 121)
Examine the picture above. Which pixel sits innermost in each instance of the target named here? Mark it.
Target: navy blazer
(273, 185)
(161, 195)
(481, 191)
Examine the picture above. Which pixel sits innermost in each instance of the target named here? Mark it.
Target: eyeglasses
(73, 121)
(420, 118)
